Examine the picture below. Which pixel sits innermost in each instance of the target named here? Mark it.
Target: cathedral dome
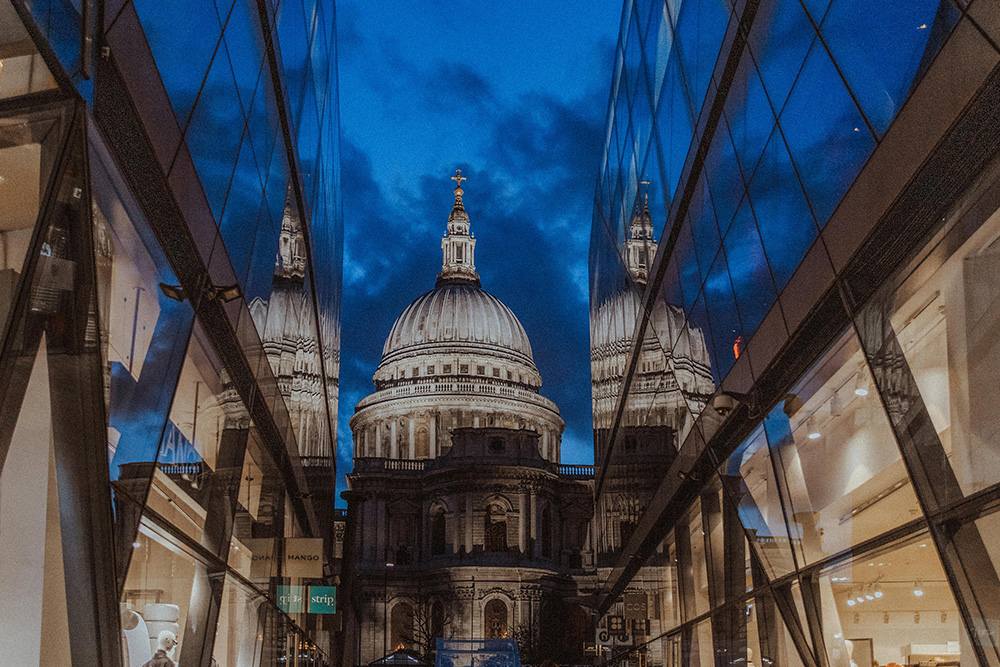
(457, 313)
(456, 357)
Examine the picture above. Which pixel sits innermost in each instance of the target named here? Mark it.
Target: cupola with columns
(456, 357)
(458, 247)
(641, 247)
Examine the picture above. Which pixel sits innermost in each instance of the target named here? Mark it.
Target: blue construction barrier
(477, 653)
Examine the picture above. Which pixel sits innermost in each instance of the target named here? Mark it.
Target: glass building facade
(795, 309)
(171, 234)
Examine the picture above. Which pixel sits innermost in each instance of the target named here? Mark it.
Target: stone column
(522, 523)
(378, 439)
(411, 447)
(468, 523)
(456, 527)
(546, 452)
(382, 531)
(533, 501)
(434, 439)
(394, 442)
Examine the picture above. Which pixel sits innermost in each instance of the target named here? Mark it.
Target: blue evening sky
(515, 94)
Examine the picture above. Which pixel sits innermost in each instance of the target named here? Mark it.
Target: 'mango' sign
(303, 557)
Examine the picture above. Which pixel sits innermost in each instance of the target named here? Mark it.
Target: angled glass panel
(198, 467)
(144, 335)
(725, 179)
(783, 217)
(779, 40)
(826, 135)
(759, 504)
(182, 55)
(215, 132)
(704, 228)
(62, 26)
(700, 29)
(727, 331)
(22, 69)
(882, 49)
(749, 271)
(749, 115)
(945, 317)
(294, 45)
(837, 461)
(245, 209)
(29, 145)
(244, 46)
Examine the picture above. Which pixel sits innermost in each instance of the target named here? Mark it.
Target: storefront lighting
(918, 590)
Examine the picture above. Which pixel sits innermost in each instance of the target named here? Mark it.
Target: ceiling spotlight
(851, 602)
(811, 429)
(136, 545)
(868, 593)
(878, 590)
(859, 597)
(918, 590)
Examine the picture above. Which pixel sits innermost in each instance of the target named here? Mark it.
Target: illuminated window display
(169, 302)
(820, 322)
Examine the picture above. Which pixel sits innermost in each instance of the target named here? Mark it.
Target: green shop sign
(291, 599)
(322, 599)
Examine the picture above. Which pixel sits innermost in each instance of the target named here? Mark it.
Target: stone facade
(465, 525)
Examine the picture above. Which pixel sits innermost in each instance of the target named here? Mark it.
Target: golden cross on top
(458, 178)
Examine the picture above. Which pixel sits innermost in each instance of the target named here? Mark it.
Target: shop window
(891, 605)
(843, 479)
(945, 320)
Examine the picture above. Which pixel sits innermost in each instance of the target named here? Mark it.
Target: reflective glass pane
(182, 55)
(759, 503)
(837, 459)
(881, 48)
(827, 137)
(779, 40)
(783, 218)
(749, 271)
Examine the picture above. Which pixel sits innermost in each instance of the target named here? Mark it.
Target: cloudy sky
(515, 94)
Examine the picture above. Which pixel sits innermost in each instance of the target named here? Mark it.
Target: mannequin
(165, 643)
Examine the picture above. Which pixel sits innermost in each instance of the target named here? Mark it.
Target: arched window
(495, 535)
(401, 627)
(438, 542)
(437, 619)
(495, 619)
